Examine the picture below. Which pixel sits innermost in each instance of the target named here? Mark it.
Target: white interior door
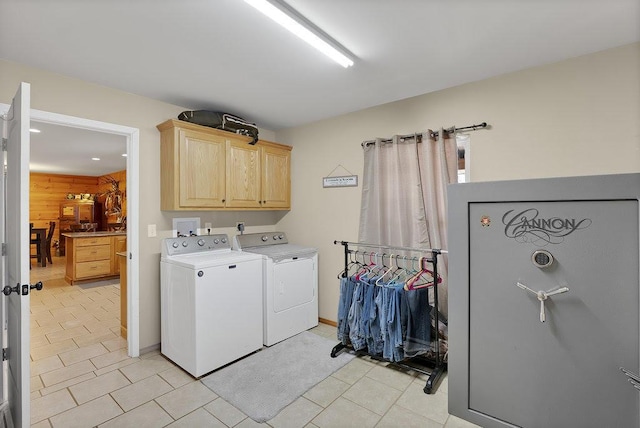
(14, 223)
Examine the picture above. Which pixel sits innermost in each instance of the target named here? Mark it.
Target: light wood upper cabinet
(243, 175)
(276, 176)
(208, 169)
(202, 169)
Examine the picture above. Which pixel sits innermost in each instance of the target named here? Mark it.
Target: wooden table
(41, 233)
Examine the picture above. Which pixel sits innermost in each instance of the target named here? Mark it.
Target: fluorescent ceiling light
(298, 25)
(34, 130)
(95, 159)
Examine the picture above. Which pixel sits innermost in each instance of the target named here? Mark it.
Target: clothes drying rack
(433, 367)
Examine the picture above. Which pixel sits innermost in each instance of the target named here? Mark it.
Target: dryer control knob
(216, 240)
(264, 238)
(281, 237)
(175, 245)
(184, 243)
(275, 237)
(201, 242)
(223, 240)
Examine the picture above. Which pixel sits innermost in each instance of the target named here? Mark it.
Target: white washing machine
(290, 284)
(211, 302)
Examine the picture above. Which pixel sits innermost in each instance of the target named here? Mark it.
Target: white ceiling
(224, 55)
(64, 150)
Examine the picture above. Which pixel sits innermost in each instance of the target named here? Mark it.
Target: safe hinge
(4, 354)
(4, 144)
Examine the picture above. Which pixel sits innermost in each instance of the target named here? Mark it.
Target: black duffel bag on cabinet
(224, 121)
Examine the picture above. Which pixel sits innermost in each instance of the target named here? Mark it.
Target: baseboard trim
(326, 321)
(155, 347)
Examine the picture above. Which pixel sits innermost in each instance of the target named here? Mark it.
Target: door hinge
(4, 144)
(5, 355)
(4, 249)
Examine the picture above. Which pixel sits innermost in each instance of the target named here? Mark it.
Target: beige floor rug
(264, 383)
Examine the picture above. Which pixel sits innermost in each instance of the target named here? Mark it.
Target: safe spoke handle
(542, 296)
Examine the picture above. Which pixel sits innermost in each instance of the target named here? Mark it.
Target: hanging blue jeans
(347, 286)
(375, 340)
(393, 337)
(417, 312)
(356, 329)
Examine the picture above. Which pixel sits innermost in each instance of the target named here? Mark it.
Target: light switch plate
(151, 231)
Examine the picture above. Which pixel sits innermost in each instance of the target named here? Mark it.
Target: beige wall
(59, 94)
(576, 117)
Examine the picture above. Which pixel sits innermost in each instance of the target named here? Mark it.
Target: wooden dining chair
(36, 242)
(52, 228)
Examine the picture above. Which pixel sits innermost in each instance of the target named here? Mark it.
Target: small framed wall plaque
(343, 181)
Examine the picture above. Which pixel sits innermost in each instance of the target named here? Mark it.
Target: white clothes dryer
(290, 284)
(211, 302)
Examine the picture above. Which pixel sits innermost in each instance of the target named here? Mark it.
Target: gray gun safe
(544, 302)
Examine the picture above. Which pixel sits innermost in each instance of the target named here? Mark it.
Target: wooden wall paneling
(47, 191)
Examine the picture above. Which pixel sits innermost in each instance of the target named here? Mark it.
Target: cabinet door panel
(88, 242)
(202, 170)
(276, 178)
(243, 175)
(118, 245)
(91, 269)
(95, 252)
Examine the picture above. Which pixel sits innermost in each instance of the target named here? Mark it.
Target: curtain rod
(433, 134)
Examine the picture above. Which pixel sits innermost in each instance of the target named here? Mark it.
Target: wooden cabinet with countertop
(121, 257)
(119, 245)
(91, 255)
(208, 169)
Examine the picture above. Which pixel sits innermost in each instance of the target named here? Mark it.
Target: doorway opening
(131, 136)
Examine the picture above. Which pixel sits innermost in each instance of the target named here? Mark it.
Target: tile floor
(82, 377)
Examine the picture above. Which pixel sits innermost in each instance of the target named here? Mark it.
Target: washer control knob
(264, 238)
(200, 273)
(201, 242)
(175, 245)
(223, 240)
(216, 241)
(184, 243)
(275, 237)
(281, 237)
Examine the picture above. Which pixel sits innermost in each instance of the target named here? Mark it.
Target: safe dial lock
(542, 259)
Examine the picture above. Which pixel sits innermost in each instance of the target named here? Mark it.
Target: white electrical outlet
(151, 231)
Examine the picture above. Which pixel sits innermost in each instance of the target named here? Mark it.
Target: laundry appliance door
(291, 297)
(293, 283)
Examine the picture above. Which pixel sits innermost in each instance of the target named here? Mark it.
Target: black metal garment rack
(436, 366)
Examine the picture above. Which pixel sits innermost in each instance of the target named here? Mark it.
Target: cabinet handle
(223, 200)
